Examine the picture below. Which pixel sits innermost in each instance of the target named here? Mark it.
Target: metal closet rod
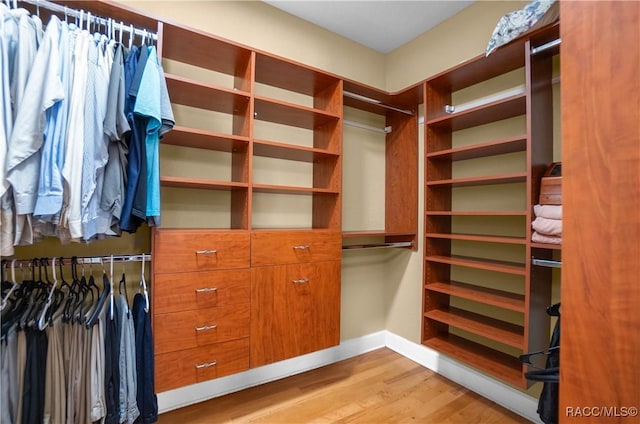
(89, 259)
(120, 26)
(546, 46)
(385, 130)
(375, 102)
(546, 262)
(377, 245)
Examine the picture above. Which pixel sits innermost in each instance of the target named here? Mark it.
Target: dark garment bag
(549, 376)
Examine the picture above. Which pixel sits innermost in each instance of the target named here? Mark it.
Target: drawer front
(190, 366)
(185, 330)
(199, 250)
(196, 290)
(274, 248)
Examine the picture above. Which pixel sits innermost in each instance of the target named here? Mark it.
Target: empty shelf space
(492, 148)
(181, 182)
(493, 329)
(476, 213)
(188, 92)
(276, 189)
(374, 233)
(287, 75)
(494, 111)
(480, 238)
(488, 360)
(201, 139)
(517, 177)
(501, 299)
(477, 263)
(203, 50)
(285, 113)
(290, 152)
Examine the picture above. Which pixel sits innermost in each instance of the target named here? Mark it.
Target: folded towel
(548, 211)
(541, 238)
(549, 227)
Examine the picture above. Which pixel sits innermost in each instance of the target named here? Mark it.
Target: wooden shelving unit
(455, 310)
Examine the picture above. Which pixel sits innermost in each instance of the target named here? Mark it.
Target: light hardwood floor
(377, 387)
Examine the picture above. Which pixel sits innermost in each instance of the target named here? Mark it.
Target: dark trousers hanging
(146, 397)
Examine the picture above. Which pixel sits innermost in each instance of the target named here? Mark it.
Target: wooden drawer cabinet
(185, 330)
(199, 250)
(185, 367)
(290, 247)
(193, 290)
(295, 309)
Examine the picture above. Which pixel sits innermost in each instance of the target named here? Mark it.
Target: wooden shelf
(200, 183)
(491, 112)
(490, 361)
(491, 148)
(492, 329)
(201, 139)
(517, 177)
(290, 152)
(480, 238)
(188, 92)
(546, 246)
(476, 213)
(276, 189)
(485, 264)
(374, 233)
(203, 50)
(279, 112)
(501, 299)
(285, 74)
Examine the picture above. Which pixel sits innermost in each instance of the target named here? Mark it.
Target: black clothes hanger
(106, 291)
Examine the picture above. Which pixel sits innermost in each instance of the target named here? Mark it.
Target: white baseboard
(500, 393)
(195, 393)
(504, 395)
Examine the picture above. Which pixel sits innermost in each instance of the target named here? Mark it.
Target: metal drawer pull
(301, 246)
(206, 290)
(300, 281)
(206, 365)
(206, 328)
(206, 252)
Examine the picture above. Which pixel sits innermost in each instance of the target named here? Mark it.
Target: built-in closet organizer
(248, 259)
(483, 302)
(398, 133)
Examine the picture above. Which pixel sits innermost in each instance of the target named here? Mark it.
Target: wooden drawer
(195, 290)
(199, 250)
(185, 330)
(190, 366)
(290, 247)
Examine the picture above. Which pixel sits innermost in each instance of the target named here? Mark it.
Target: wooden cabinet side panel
(600, 95)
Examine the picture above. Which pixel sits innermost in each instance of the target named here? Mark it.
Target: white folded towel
(542, 238)
(549, 227)
(548, 211)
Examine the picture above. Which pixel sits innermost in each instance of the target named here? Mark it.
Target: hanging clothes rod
(546, 262)
(546, 46)
(81, 14)
(375, 102)
(385, 130)
(377, 245)
(88, 259)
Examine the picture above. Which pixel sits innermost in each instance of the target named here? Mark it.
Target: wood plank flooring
(377, 387)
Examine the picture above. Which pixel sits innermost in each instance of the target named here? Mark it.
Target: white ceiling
(382, 25)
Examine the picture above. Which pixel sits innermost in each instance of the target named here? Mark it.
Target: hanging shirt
(152, 103)
(95, 156)
(71, 218)
(43, 90)
(49, 200)
(115, 127)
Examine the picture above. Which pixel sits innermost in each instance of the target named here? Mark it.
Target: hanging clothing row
(80, 122)
(74, 352)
